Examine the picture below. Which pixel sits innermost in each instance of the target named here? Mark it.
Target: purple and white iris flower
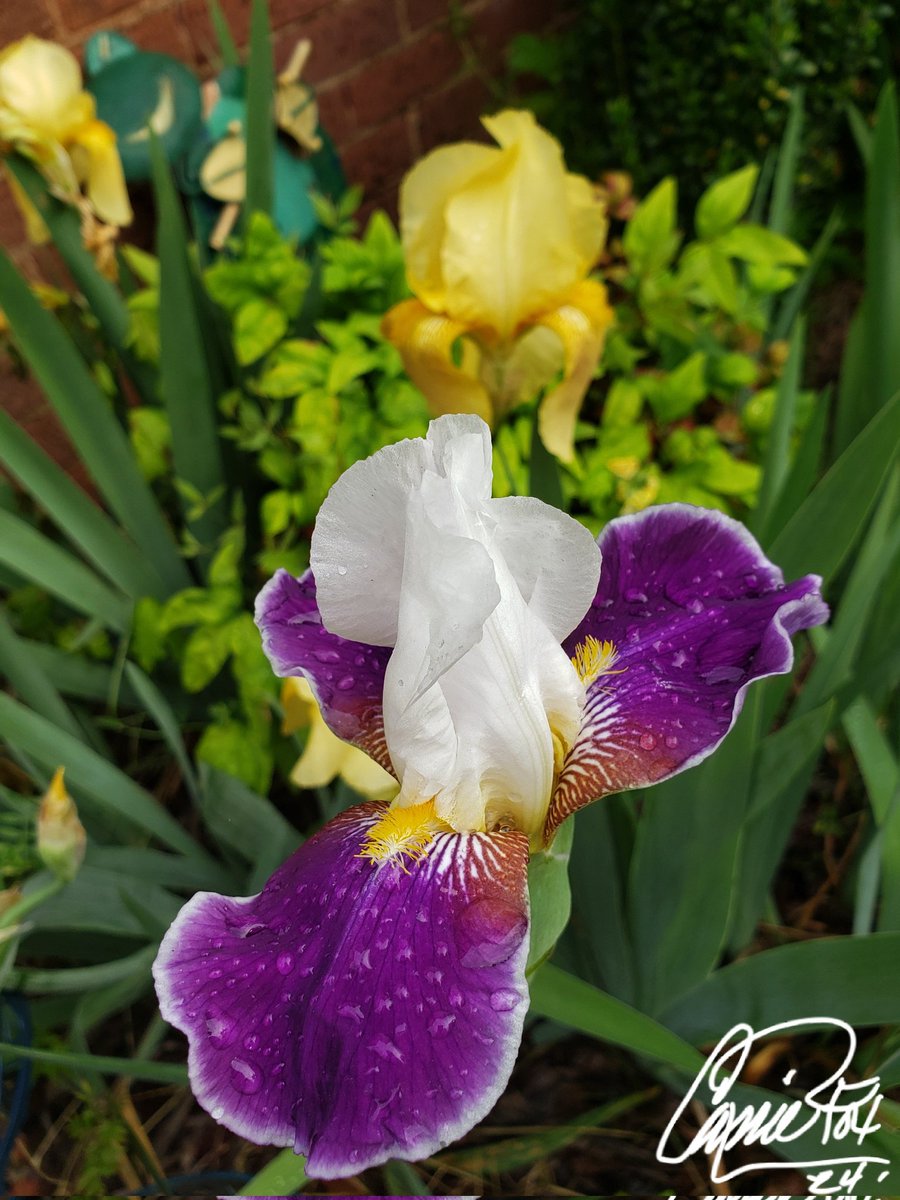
(369, 1002)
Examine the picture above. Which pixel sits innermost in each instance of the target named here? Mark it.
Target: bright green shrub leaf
(276, 511)
(755, 244)
(151, 437)
(147, 633)
(676, 394)
(735, 370)
(258, 326)
(231, 746)
(204, 656)
(200, 606)
(650, 240)
(251, 668)
(724, 202)
(618, 445)
(225, 567)
(623, 403)
(349, 365)
(730, 476)
(293, 368)
(768, 278)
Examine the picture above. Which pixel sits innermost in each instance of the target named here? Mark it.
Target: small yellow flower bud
(61, 839)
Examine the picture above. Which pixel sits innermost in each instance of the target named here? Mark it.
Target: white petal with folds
(475, 596)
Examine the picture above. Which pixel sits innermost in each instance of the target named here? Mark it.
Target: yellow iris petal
(325, 757)
(425, 341)
(494, 235)
(102, 171)
(41, 82)
(581, 324)
(424, 195)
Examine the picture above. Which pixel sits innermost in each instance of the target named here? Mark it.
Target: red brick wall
(392, 79)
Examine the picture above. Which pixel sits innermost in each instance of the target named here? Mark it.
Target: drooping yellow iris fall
(47, 116)
(499, 241)
(325, 756)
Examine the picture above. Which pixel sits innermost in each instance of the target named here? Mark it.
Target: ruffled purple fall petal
(346, 677)
(696, 613)
(355, 1011)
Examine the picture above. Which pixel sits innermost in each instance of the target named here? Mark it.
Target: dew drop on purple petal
(245, 1078)
(671, 741)
(284, 963)
(504, 1000)
(251, 1041)
(647, 741)
(220, 1028)
(345, 683)
(488, 931)
(695, 606)
(441, 1025)
(328, 656)
(635, 596)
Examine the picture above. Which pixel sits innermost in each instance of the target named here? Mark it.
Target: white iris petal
(475, 595)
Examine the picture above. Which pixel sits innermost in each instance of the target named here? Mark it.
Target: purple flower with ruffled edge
(369, 1002)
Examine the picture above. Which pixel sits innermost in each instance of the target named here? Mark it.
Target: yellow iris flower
(325, 756)
(47, 116)
(499, 241)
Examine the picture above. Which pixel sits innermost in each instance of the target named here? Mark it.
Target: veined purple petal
(696, 612)
(355, 1011)
(346, 677)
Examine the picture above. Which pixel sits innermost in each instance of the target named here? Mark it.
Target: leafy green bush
(690, 370)
(699, 88)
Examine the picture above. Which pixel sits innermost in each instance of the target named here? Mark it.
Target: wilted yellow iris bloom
(498, 242)
(45, 115)
(326, 757)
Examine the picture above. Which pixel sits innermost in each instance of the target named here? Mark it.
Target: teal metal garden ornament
(202, 134)
(369, 1002)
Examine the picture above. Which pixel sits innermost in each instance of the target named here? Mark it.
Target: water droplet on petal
(695, 606)
(504, 1000)
(489, 931)
(671, 741)
(245, 1078)
(648, 741)
(635, 596)
(346, 683)
(328, 656)
(251, 1041)
(285, 963)
(441, 1025)
(342, 570)
(219, 1027)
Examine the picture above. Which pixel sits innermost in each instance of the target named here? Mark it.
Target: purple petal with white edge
(696, 612)
(355, 1011)
(346, 677)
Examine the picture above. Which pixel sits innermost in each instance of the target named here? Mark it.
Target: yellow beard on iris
(402, 834)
